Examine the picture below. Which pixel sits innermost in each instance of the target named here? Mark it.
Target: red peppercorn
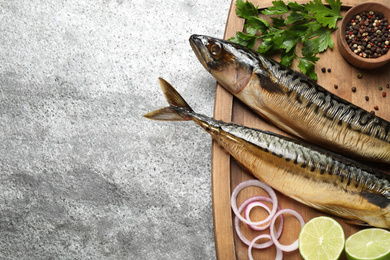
(352, 20)
(370, 16)
(388, 27)
(350, 33)
(376, 107)
(384, 94)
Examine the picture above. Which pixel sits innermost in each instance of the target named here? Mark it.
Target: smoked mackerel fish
(309, 174)
(294, 102)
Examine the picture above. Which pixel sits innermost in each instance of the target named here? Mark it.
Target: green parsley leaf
(266, 45)
(313, 29)
(310, 47)
(279, 7)
(324, 15)
(318, 44)
(306, 65)
(244, 39)
(278, 22)
(258, 24)
(288, 57)
(295, 7)
(278, 40)
(310, 24)
(295, 17)
(246, 10)
(290, 40)
(335, 5)
(325, 41)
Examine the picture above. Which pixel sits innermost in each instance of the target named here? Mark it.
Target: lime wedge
(371, 243)
(321, 238)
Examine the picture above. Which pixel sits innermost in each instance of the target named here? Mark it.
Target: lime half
(371, 243)
(321, 238)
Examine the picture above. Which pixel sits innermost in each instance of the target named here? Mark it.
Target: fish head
(230, 64)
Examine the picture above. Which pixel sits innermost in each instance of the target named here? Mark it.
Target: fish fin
(270, 86)
(165, 114)
(173, 97)
(178, 110)
(357, 222)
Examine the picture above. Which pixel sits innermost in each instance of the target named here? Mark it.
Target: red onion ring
(238, 229)
(293, 246)
(279, 253)
(262, 185)
(248, 209)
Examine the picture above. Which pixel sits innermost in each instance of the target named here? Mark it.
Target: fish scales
(305, 156)
(301, 168)
(325, 103)
(293, 102)
(309, 174)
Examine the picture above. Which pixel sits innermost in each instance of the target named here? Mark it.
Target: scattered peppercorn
(329, 70)
(353, 89)
(384, 94)
(376, 107)
(323, 70)
(336, 86)
(359, 75)
(387, 85)
(367, 35)
(367, 98)
(380, 88)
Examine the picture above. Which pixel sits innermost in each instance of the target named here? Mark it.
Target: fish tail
(178, 109)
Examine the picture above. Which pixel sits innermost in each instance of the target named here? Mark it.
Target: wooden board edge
(220, 167)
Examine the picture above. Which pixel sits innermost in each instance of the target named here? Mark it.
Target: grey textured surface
(82, 174)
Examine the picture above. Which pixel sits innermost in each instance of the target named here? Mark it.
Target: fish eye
(216, 49)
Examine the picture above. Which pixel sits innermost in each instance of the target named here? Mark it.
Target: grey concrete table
(82, 174)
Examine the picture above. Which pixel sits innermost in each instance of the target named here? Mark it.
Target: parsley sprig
(311, 24)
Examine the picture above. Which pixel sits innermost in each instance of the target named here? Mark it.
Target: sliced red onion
(279, 253)
(248, 209)
(262, 185)
(237, 223)
(274, 237)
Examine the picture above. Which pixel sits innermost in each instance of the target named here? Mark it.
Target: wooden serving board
(226, 173)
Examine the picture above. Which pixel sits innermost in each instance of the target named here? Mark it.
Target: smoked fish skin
(309, 174)
(294, 102)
